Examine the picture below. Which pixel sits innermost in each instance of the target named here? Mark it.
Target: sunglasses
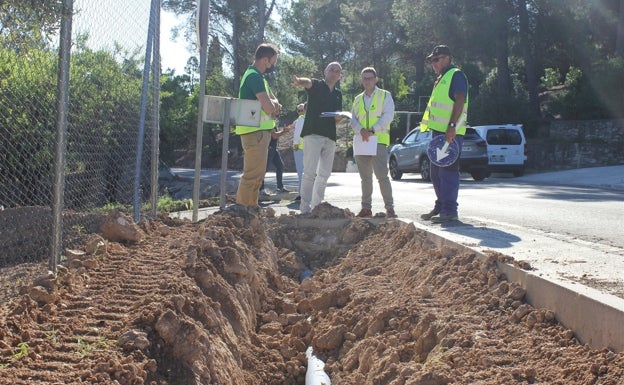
(437, 59)
(368, 77)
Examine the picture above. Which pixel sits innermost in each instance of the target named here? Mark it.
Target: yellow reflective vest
(368, 118)
(266, 120)
(440, 107)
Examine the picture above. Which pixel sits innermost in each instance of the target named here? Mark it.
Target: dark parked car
(410, 155)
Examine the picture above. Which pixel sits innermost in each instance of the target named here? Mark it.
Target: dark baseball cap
(439, 50)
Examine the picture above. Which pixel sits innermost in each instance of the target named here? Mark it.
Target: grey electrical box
(242, 112)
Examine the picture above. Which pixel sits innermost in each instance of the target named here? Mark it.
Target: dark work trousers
(275, 158)
(446, 182)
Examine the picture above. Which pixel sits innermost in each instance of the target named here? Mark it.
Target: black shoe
(241, 210)
(444, 218)
(298, 198)
(365, 213)
(282, 190)
(430, 214)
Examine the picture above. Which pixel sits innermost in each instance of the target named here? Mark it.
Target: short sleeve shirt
(459, 84)
(254, 84)
(321, 99)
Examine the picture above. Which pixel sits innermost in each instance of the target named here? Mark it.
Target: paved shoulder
(611, 177)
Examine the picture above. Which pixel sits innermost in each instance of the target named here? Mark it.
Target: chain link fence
(110, 134)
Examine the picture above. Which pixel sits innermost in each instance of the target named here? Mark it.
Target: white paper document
(333, 114)
(360, 147)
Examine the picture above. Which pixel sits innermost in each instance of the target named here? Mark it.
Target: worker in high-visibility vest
(255, 140)
(446, 115)
(371, 115)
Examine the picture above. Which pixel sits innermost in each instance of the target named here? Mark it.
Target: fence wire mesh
(102, 138)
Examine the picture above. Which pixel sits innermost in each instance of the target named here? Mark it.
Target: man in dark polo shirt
(319, 134)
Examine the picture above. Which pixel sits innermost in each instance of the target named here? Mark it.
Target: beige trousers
(255, 152)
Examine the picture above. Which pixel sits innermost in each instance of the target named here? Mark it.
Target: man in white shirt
(372, 113)
(298, 144)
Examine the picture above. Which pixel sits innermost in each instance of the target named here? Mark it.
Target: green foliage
(167, 204)
(27, 121)
(315, 30)
(85, 348)
(573, 76)
(489, 107)
(21, 351)
(26, 25)
(397, 83)
(17, 353)
(551, 77)
(485, 37)
(111, 206)
(593, 95)
(281, 83)
(177, 116)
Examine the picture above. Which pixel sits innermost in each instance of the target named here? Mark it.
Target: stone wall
(577, 144)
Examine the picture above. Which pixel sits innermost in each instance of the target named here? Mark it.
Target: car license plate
(497, 158)
(467, 148)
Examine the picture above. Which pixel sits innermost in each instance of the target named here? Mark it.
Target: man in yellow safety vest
(371, 115)
(255, 140)
(446, 115)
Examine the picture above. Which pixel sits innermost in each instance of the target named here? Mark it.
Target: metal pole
(61, 132)
(155, 112)
(202, 15)
(141, 134)
(224, 152)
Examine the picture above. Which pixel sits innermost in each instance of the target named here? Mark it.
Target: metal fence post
(224, 151)
(61, 134)
(202, 14)
(156, 111)
(141, 139)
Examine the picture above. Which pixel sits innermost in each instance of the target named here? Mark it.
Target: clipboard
(335, 114)
(360, 147)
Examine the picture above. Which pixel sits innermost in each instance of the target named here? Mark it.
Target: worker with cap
(446, 115)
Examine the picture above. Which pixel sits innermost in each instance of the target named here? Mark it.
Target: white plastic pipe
(315, 375)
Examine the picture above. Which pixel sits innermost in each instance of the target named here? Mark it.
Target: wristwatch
(452, 124)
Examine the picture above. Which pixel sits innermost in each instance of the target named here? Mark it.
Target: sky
(126, 22)
(173, 54)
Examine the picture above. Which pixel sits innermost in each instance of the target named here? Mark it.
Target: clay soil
(222, 302)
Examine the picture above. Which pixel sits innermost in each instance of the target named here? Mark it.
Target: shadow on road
(484, 236)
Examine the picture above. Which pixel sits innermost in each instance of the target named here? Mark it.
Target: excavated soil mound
(221, 302)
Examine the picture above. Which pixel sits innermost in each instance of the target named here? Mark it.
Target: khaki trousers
(255, 152)
(378, 164)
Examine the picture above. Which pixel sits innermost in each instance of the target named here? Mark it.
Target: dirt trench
(222, 302)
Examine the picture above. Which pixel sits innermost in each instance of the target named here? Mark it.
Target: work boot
(444, 218)
(430, 214)
(390, 213)
(365, 213)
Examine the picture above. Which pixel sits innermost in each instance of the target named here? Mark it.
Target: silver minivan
(506, 147)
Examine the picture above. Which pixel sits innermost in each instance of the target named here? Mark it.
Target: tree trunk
(532, 81)
(502, 51)
(236, 54)
(262, 18)
(619, 40)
